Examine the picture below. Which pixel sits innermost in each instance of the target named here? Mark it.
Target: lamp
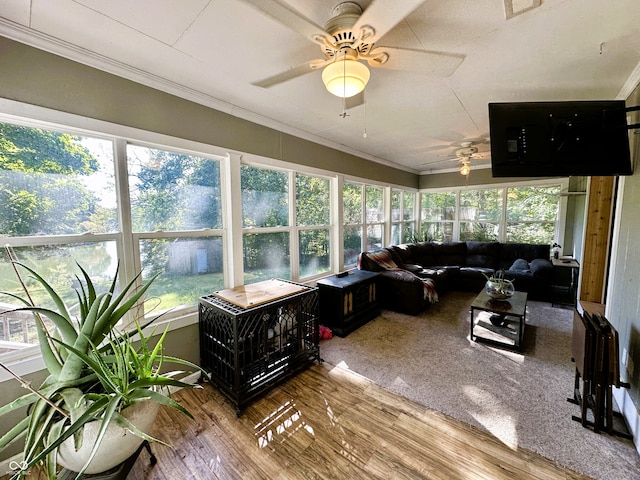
(345, 77)
(465, 169)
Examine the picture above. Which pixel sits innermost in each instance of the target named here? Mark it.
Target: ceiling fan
(464, 154)
(348, 38)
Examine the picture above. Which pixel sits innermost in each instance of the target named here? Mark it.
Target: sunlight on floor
(284, 421)
(492, 415)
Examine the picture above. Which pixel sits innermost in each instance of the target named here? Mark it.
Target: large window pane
(479, 231)
(481, 205)
(265, 197)
(57, 265)
(266, 256)
(375, 204)
(312, 201)
(531, 214)
(374, 236)
(408, 232)
(173, 191)
(55, 183)
(533, 203)
(352, 244)
(436, 232)
(540, 232)
(396, 205)
(314, 252)
(408, 212)
(438, 206)
(189, 268)
(352, 203)
(437, 212)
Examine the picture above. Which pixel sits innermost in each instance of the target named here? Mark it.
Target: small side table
(348, 302)
(564, 284)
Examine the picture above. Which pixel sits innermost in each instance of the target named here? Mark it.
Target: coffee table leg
(471, 325)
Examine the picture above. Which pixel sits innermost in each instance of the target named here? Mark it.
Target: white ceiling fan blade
(289, 17)
(429, 62)
(285, 76)
(383, 15)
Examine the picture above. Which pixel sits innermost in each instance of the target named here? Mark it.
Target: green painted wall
(36, 77)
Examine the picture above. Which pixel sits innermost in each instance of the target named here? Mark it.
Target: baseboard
(630, 414)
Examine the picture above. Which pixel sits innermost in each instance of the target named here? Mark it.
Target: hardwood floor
(327, 423)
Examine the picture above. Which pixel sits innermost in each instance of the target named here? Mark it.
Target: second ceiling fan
(348, 38)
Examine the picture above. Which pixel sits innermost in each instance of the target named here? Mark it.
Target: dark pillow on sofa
(540, 266)
(519, 264)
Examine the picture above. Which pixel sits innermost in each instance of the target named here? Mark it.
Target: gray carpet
(520, 398)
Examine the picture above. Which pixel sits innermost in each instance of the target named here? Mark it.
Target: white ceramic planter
(117, 445)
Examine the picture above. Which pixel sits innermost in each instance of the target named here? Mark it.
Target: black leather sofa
(455, 266)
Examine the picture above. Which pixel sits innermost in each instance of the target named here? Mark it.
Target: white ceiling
(211, 51)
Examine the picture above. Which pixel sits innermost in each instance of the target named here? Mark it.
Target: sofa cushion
(449, 253)
(482, 254)
(402, 253)
(422, 253)
(541, 266)
(519, 264)
(509, 252)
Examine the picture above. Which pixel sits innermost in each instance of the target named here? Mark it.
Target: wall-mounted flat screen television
(559, 139)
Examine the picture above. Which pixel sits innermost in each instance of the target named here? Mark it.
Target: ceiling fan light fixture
(465, 169)
(345, 78)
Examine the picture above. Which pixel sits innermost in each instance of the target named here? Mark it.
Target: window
(437, 216)
(352, 208)
(265, 218)
(173, 197)
(313, 221)
(516, 214)
(480, 215)
(56, 189)
(62, 203)
(532, 213)
(374, 219)
(402, 216)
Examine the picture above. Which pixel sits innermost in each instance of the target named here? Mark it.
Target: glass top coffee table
(499, 322)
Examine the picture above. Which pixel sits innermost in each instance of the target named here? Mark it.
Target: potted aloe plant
(98, 379)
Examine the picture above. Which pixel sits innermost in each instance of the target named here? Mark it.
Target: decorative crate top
(248, 296)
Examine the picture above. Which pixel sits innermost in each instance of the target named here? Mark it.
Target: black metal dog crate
(246, 351)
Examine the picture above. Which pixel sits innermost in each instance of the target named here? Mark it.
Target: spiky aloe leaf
(118, 309)
(72, 367)
(62, 308)
(93, 412)
(126, 424)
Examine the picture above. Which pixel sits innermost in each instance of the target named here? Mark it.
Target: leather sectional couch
(455, 266)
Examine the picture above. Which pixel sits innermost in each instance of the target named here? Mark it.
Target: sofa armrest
(401, 291)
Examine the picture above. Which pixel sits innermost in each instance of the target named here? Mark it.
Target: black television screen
(553, 139)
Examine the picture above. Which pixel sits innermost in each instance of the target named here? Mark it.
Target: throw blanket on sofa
(383, 259)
